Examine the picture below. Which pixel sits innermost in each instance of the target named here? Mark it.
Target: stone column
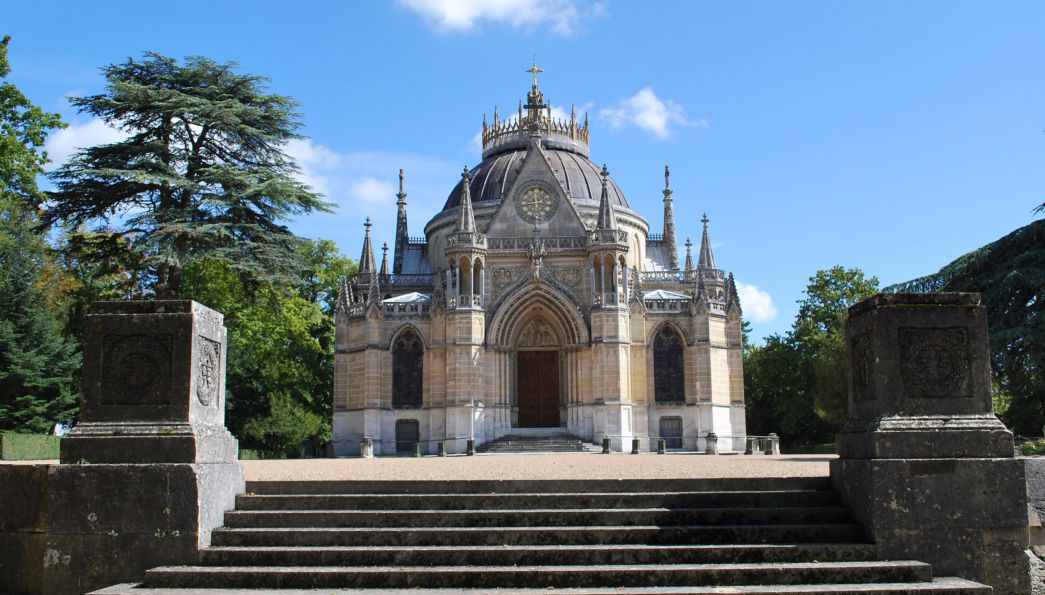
(924, 464)
(150, 469)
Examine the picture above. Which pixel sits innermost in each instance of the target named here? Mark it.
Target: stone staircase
(756, 536)
(534, 440)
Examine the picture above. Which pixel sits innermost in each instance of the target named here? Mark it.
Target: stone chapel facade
(537, 298)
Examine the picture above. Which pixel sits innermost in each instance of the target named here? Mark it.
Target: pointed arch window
(668, 373)
(407, 370)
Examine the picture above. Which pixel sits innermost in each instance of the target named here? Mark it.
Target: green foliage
(1010, 275)
(795, 384)
(28, 447)
(23, 130)
(280, 371)
(1033, 448)
(202, 175)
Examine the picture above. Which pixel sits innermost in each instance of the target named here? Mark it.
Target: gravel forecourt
(541, 466)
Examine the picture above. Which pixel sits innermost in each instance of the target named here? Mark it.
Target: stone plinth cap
(148, 307)
(884, 300)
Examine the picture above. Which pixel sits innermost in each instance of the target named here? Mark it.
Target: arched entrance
(537, 375)
(537, 336)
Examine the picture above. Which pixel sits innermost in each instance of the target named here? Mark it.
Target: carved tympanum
(537, 334)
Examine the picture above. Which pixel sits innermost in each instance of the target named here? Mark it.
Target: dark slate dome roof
(493, 177)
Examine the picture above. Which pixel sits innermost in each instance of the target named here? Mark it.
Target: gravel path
(542, 466)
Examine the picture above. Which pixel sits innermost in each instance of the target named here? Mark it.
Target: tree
(23, 130)
(819, 332)
(202, 175)
(1010, 274)
(37, 363)
(796, 383)
(280, 373)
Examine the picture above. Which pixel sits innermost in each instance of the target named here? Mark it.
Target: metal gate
(671, 432)
(408, 431)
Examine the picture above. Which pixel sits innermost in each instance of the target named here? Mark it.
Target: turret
(465, 254)
(608, 246)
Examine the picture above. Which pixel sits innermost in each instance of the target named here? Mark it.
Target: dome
(493, 177)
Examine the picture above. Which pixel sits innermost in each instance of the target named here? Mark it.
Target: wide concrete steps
(532, 555)
(758, 536)
(938, 586)
(603, 575)
(537, 440)
(538, 500)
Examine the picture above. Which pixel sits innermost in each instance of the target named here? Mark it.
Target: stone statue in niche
(537, 334)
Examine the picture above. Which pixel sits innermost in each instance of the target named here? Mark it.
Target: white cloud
(757, 303)
(372, 190)
(61, 145)
(650, 113)
(450, 16)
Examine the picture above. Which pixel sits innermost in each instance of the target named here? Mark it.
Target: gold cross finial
(534, 71)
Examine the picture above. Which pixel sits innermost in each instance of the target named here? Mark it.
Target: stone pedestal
(924, 464)
(154, 386)
(148, 472)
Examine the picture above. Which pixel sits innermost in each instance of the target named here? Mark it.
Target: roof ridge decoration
(537, 118)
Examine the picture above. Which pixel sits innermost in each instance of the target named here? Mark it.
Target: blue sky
(889, 136)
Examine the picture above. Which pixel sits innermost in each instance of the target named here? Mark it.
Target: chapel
(537, 298)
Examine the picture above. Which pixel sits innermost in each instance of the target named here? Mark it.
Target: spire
(607, 218)
(669, 223)
(384, 259)
(689, 256)
(402, 231)
(466, 220)
(732, 298)
(366, 259)
(706, 260)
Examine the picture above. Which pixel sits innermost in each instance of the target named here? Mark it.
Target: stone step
(507, 486)
(938, 586)
(633, 534)
(500, 555)
(522, 501)
(538, 517)
(636, 575)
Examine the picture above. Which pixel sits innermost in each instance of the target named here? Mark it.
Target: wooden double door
(537, 380)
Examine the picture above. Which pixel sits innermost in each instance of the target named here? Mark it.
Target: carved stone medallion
(136, 369)
(208, 370)
(503, 277)
(863, 367)
(935, 362)
(570, 276)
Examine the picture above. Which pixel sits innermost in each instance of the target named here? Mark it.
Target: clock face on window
(535, 204)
